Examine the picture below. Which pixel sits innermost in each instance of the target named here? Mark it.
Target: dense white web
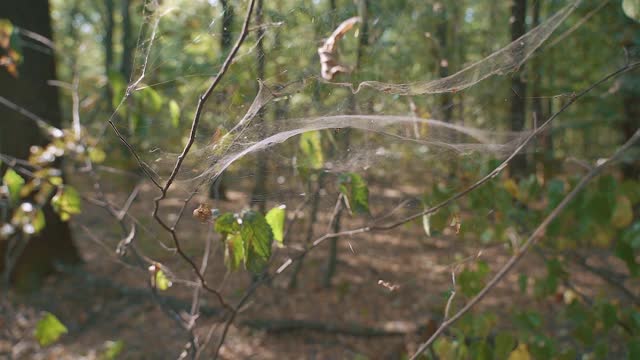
(249, 115)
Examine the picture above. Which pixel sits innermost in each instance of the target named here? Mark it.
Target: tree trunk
(227, 23)
(631, 99)
(30, 90)
(343, 136)
(218, 188)
(536, 101)
(444, 52)
(108, 49)
(126, 65)
(258, 197)
(518, 86)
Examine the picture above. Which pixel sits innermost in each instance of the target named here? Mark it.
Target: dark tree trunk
(539, 116)
(30, 91)
(631, 99)
(108, 48)
(442, 35)
(126, 65)
(218, 188)
(227, 23)
(518, 86)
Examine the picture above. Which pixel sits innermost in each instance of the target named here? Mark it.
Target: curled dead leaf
(329, 64)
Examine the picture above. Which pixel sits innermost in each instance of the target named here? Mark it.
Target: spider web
(397, 120)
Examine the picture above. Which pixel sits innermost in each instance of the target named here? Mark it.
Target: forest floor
(394, 283)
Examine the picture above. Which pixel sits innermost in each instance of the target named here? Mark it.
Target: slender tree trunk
(127, 41)
(518, 85)
(631, 99)
(108, 49)
(17, 134)
(343, 136)
(442, 35)
(258, 197)
(630, 124)
(536, 94)
(218, 189)
(227, 23)
(313, 217)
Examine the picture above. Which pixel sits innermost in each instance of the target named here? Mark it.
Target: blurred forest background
(98, 100)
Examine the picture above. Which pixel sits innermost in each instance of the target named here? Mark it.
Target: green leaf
(97, 155)
(609, 315)
(234, 251)
(311, 146)
(275, 218)
(162, 282)
(522, 283)
(38, 221)
(520, 353)
(354, 187)
(480, 350)
(66, 202)
(112, 350)
(632, 235)
(504, 344)
(622, 215)
(118, 87)
(153, 98)
(631, 8)
(634, 349)
(257, 238)
(49, 329)
(174, 111)
(625, 252)
(14, 182)
(472, 281)
(226, 224)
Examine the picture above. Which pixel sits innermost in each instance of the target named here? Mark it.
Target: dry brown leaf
(329, 64)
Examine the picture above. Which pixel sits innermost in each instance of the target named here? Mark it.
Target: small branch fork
(192, 136)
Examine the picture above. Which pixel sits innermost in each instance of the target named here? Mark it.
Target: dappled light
(329, 179)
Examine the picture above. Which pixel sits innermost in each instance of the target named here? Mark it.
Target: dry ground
(107, 299)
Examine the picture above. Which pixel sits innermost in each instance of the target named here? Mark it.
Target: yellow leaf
(623, 213)
(511, 187)
(520, 353)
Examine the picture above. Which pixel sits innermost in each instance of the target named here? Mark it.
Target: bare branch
(533, 238)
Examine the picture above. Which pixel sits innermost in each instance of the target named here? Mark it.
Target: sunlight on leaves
(311, 146)
(631, 8)
(275, 218)
(14, 182)
(234, 251)
(354, 187)
(520, 353)
(49, 329)
(161, 281)
(112, 350)
(622, 213)
(66, 202)
(426, 224)
(257, 238)
(174, 112)
(97, 155)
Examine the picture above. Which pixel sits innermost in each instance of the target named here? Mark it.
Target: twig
(533, 238)
(192, 136)
(495, 172)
